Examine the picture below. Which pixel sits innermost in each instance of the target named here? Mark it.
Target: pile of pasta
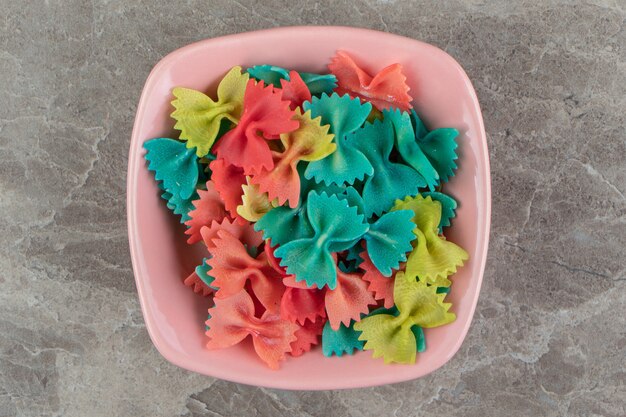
(319, 200)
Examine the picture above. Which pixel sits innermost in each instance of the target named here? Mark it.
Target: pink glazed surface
(174, 315)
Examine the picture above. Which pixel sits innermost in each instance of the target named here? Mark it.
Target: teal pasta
(174, 164)
(389, 239)
(438, 145)
(344, 340)
(347, 163)
(389, 181)
(336, 226)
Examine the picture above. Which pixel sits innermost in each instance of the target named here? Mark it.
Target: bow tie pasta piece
(448, 207)
(201, 280)
(243, 232)
(299, 305)
(232, 320)
(254, 203)
(439, 145)
(203, 271)
(317, 84)
(197, 285)
(418, 332)
(179, 206)
(283, 224)
(379, 285)
(351, 259)
(273, 261)
(334, 224)
(354, 199)
(265, 116)
(173, 164)
(389, 239)
(409, 148)
(433, 258)
(344, 115)
(340, 341)
(199, 118)
(208, 208)
(391, 337)
(390, 180)
(228, 181)
(232, 267)
(348, 301)
(294, 90)
(269, 74)
(307, 336)
(310, 142)
(386, 89)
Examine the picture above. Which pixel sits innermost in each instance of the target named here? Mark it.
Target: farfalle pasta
(387, 89)
(344, 115)
(433, 259)
(208, 208)
(335, 225)
(198, 117)
(318, 202)
(265, 116)
(310, 142)
(233, 319)
(390, 336)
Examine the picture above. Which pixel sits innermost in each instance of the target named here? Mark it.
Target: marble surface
(549, 335)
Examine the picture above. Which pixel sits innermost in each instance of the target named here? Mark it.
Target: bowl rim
(138, 265)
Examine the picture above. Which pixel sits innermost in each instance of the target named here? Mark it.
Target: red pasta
(379, 285)
(197, 285)
(208, 208)
(243, 232)
(385, 90)
(299, 305)
(228, 180)
(307, 336)
(310, 142)
(232, 267)
(295, 90)
(232, 320)
(348, 301)
(273, 261)
(265, 116)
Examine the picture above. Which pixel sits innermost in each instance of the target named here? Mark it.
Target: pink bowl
(174, 315)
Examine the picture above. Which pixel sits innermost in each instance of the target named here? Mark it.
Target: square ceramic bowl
(174, 315)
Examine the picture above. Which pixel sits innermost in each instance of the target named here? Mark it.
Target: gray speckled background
(549, 335)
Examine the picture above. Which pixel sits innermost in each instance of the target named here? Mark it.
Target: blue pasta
(336, 227)
(283, 224)
(173, 164)
(438, 145)
(389, 239)
(409, 148)
(344, 115)
(269, 74)
(319, 84)
(203, 272)
(341, 341)
(178, 205)
(390, 180)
